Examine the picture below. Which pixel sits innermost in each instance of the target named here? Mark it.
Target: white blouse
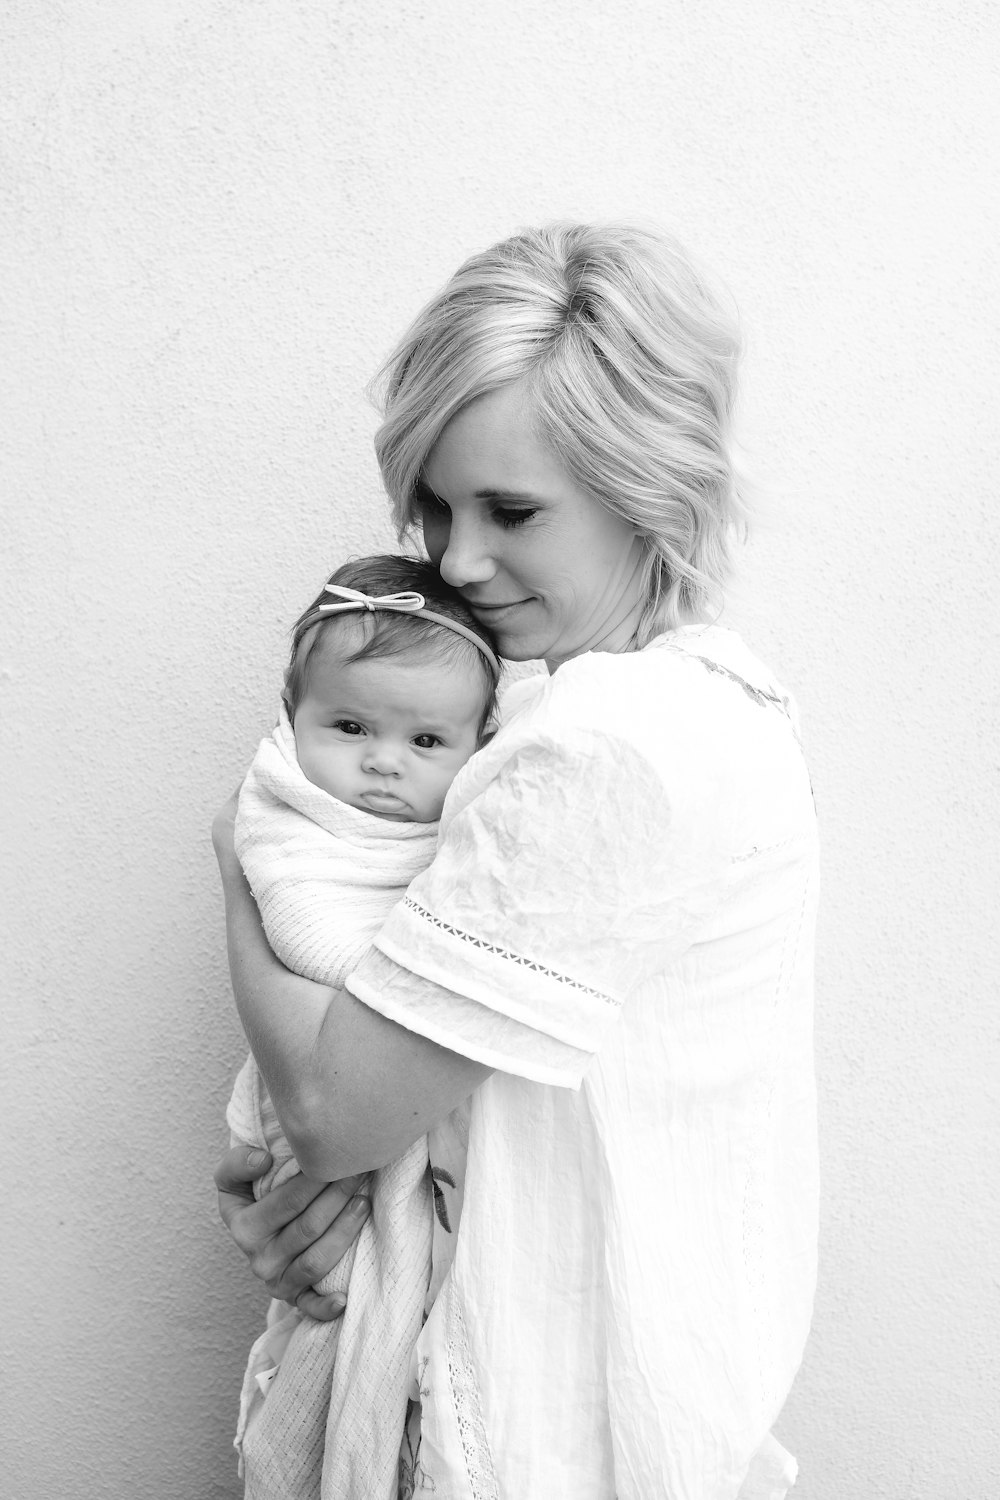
(619, 920)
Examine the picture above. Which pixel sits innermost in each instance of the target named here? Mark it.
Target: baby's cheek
(307, 758)
(324, 769)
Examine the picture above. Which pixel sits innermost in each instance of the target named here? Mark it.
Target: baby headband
(400, 604)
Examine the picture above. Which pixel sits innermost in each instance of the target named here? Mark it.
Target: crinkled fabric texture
(325, 876)
(620, 921)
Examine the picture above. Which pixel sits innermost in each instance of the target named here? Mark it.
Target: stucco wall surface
(217, 217)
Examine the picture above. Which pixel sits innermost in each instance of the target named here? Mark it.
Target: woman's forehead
(493, 446)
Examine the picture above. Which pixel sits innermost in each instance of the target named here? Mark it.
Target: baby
(390, 689)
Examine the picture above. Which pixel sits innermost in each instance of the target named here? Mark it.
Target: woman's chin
(522, 645)
(519, 651)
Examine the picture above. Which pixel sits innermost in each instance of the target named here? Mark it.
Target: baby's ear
(488, 733)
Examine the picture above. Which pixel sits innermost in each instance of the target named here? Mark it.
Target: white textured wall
(218, 215)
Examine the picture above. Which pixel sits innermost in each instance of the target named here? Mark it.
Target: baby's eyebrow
(447, 726)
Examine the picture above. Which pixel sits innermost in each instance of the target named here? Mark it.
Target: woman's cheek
(435, 534)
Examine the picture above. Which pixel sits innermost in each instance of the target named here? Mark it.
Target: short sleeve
(563, 883)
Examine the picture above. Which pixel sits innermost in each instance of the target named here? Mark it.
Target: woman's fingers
(297, 1233)
(302, 1253)
(254, 1225)
(295, 1214)
(323, 1309)
(234, 1176)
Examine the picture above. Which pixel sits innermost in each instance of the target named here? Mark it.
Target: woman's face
(538, 560)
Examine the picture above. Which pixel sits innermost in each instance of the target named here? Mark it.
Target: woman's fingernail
(359, 1205)
(256, 1158)
(338, 1302)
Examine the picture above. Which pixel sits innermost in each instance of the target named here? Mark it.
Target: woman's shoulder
(692, 733)
(686, 687)
(694, 713)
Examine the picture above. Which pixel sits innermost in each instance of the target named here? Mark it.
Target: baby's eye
(348, 726)
(426, 741)
(509, 518)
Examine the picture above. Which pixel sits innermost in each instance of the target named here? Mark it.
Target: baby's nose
(383, 757)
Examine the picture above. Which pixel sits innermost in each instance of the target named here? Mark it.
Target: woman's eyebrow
(506, 495)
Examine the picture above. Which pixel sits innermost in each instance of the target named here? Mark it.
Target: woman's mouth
(490, 614)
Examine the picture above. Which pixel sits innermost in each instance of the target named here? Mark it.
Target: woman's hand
(294, 1235)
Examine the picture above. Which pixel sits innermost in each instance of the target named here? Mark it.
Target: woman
(611, 952)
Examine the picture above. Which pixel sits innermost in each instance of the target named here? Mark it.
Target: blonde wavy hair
(629, 363)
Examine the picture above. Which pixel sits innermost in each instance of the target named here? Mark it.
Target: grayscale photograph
(499, 726)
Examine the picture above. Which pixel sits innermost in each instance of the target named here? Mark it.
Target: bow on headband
(405, 604)
(401, 604)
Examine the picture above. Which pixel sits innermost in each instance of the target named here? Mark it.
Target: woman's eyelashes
(433, 508)
(509, 518)
(427, 502)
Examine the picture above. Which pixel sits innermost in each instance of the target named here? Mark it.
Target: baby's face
(389, 734)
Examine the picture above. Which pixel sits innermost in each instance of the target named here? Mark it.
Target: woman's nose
(467, 556)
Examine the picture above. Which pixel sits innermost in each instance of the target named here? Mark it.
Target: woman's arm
(352, 1089)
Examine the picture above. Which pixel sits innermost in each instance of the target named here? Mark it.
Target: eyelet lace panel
(468, 1411)
(514, 958)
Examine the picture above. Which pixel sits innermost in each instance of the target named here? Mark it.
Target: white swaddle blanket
(325, 876)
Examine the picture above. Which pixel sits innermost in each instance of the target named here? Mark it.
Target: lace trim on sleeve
(514, 958)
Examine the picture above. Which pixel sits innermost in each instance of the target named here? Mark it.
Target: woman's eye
(509, 518)
(428, 503)
(348, 726)
(426, 741)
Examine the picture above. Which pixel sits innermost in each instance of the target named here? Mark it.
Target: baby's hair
(387, 633)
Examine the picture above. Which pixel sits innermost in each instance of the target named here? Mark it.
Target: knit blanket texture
(328, 1424)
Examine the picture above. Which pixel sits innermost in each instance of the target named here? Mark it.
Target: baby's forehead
(339, 637)
(421, 680)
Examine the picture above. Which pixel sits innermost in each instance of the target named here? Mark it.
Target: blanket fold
(329, 1422)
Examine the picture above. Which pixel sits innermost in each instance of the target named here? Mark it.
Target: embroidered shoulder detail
(483, 1483)
(756, 695)
(514, 958)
